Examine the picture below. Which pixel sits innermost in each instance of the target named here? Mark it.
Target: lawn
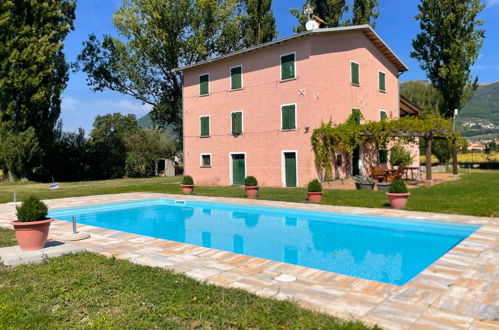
(474, 194)
(91, 291)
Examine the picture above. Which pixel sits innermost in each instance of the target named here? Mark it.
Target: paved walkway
(458, 291)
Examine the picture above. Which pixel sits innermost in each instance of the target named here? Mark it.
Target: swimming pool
(384, 249)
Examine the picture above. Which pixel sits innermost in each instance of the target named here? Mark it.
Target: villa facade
(253, 112)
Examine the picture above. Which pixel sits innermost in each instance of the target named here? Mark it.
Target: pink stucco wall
(321, 91)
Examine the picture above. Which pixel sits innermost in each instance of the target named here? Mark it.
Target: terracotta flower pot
(187, 188)
(398, 201)
(251, 191)
(314, 197)
(32, 235)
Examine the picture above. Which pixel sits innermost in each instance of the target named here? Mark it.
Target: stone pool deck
(458, 291)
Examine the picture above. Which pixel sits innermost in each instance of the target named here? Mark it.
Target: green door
(238, 169)
(290, 168)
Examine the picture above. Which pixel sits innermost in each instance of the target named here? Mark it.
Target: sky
(395, 25)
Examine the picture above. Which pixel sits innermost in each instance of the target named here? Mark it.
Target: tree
(19, 152)
(33, 69)
(157, 36)
(331, 11)
(258, 22)
(447, 46)
(108, 144)
(423, 94)
(365, 12)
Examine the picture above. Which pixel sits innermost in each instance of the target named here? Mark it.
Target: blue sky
(396, 25)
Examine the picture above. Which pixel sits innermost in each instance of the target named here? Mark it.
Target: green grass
(7, 238)
(474, 194)
(91, 291)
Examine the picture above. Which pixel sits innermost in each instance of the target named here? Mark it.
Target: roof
(366, 29)
(407, 108)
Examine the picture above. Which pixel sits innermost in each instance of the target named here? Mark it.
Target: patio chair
(396, 175)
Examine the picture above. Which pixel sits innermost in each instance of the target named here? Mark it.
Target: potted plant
(251, 186)
(187, 184)
(383, 186)
(400, 157)
(398, 194)
(32, 225)
(314, 191)
(363, 182)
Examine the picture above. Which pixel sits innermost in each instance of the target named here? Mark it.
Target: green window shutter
(383, 156)
(382, 115)
(356, 115)
(205, 126)
(237, 123)
(236, 81)
(355, 73)
(288, 67)
(382, 86)
(204, 84)
(288, 117)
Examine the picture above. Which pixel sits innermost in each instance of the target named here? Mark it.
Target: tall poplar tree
(365, 12)
(33, 73)
(447, 47)
(258, 22)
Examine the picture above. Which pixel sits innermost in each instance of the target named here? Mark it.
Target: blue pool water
(383, 249)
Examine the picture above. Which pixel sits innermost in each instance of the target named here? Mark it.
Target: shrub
(400, 157)
(31, 209)
(138, 166)
(250, 181)
(398, 187)
(314, 186)
(363, 179)
(188, 181)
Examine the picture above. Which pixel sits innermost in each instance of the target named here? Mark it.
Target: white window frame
(209, 83)
(351, 77)
(201, 160)
(242, 77)
(230, 165)
(379, 71)
(283, 167)
(242, 121)
(209, 126)
(386, 114)
(296, 117)
(280, 67)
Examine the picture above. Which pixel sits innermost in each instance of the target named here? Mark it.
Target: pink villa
(252, 112)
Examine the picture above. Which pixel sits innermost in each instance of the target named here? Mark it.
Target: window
(355, 76)
(205, 160)
(288, 66)
(236, 78)
(205, 126)
(204, 84)
(382, 115)
(288, 117)
(237, 122)
(383, 156)
(381, 81)
(357, 115)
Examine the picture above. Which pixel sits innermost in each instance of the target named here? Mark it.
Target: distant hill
(145, 121)
(479, 119)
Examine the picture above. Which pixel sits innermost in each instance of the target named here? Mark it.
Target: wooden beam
(428, 159)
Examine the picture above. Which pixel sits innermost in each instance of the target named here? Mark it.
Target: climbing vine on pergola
(331, 139)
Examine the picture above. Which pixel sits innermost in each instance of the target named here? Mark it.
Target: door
(290, 169)
(356, 161)
(238, 169)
